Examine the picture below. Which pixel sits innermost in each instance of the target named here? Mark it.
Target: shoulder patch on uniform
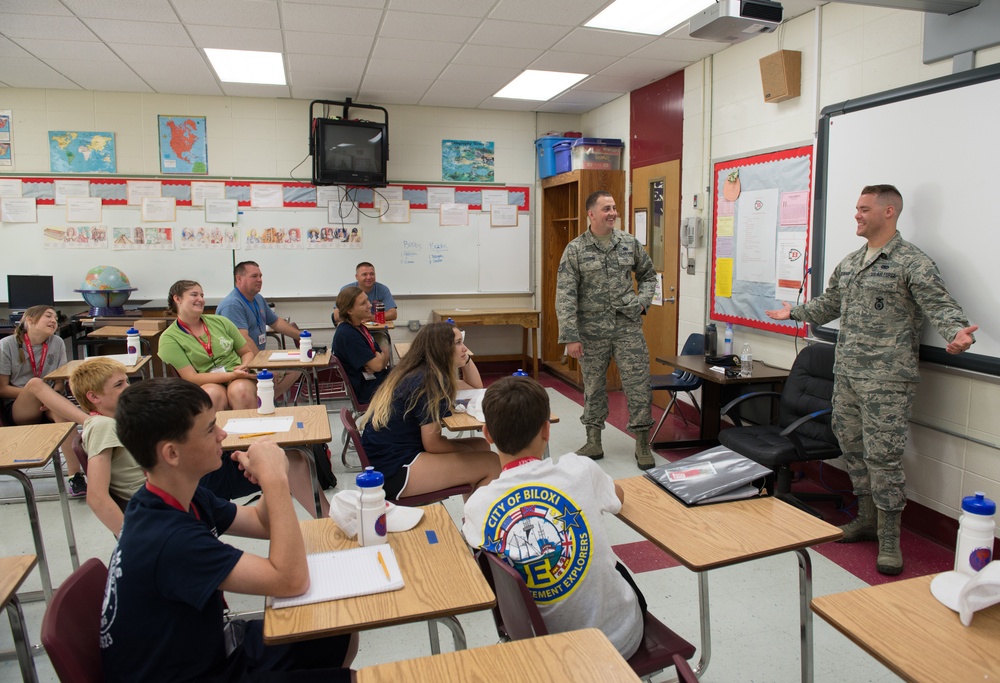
(562, 267)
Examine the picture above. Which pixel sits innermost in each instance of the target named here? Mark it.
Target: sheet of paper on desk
(255, 425)
(347, 574)
(284, 355)
(472, 399)
(122, 358)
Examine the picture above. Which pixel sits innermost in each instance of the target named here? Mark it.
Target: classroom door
(656, 190)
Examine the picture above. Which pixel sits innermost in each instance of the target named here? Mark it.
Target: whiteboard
(937, 142)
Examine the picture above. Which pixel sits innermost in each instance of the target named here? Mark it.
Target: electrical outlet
(413, 326)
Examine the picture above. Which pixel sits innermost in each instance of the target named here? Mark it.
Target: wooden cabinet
(564, 217)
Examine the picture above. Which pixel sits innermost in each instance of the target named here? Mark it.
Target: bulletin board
(760, 237)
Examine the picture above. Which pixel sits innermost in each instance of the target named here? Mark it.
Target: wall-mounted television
(25, 291)
(350, 152)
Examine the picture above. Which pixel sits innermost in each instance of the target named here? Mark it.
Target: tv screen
(349, 152)
(25, 291)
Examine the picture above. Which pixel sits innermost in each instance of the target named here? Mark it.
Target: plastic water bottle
(746, 361)
(974, 549)
(711, 341)
(265, 392)
(132, 345)
(371, 514)
(727, 343)
(305, 346)
(520, 373)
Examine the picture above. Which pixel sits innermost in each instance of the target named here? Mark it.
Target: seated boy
(113, 472)
(545, 520)
(163, 607)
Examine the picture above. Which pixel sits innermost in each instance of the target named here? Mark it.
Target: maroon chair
(71, 627)
(517, 617)
(358, 407)
(354, 436)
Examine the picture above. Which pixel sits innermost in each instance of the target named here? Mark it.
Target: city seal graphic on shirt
(544, 535)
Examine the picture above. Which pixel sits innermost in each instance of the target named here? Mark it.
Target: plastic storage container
(564, 156)
(544, 150)
(597, 153)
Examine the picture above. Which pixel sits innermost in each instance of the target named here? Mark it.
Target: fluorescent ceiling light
(247, 66)
(653, 17)
(539, 85)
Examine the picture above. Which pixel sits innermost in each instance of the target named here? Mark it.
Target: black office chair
(679, 381)
(803, 431)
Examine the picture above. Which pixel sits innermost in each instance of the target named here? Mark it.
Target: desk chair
(517, 617)
(71, 627)
(357, 407)
(679, 381)
(354, 436)
(803, 431)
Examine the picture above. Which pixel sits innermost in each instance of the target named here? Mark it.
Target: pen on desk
(250, 436)
(28, 460)
(381, 561)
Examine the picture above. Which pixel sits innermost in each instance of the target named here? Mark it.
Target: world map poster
(72, 151)
(183, 148)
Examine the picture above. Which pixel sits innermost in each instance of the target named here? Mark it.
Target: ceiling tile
(242, 13)
(404, 69)
(388, 97)
(573, 62)
(490, 55)
(510, 105)
(516, 34)
(337, 80)
(589, 97)
(370, 4)
(183, 85)
(354, 21)
(565, 108)
(136, 10)
(455, 8)
(9, 48)
(340, 45)
(616, 84)
(479, 74)
(560, 12)
(308, 93)
(431, 26)
(474, 90)
(139, 32)
(44, 7)
(31, 73)
(44, 27)
(416, 50)
(160, 55)
(351, 67)
(252, 90)
(260, 39)
(443, 96)
(395, 82)
(68, 49)
(679, 49)
(653, 69)
(100, 75)
(185, 68)
(603, 42)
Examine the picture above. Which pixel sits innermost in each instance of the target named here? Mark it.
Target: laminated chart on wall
(760, 237)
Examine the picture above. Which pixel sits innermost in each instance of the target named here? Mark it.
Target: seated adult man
(252, 316)
(376, 292)
(162, 615)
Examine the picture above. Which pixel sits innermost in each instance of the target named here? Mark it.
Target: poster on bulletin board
(760, 237)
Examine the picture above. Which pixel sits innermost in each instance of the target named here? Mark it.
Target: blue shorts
(228, 481)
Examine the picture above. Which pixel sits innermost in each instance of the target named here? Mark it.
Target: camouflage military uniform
(881, 305)
(597, 305)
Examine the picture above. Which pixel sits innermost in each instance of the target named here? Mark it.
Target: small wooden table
(151, 338)
(711, 394)
(402, 348)
(903, 626)
(309, 370)
(441, 580)
(31, 447)
(710, 536)
(309, 427)
(63, 372)
(13, 572)
(527, 318)
(585, 656)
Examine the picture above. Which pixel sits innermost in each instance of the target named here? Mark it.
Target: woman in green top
(208, 350)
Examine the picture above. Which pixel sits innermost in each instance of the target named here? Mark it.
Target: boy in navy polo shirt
(163, 607)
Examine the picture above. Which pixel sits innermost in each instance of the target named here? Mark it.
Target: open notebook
(712, 476)
(346, 574)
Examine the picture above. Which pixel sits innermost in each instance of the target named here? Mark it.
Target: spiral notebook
(346, 574)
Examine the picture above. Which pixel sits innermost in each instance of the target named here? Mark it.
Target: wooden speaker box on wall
(781, 75)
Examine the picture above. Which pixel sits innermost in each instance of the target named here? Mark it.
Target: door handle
(669, 300)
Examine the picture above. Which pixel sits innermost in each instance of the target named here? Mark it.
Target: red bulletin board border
(742, 162)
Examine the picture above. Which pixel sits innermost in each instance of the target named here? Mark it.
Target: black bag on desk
(730, 361)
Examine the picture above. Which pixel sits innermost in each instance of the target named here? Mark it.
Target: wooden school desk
(31, 447)
(13, 572)
(527, 318)
(63, 372)
(150, 337)
(309, 426)
(706, 537)
(441, 580)
(711, 394)
(309, 370)
(585, 656)
(903, 626)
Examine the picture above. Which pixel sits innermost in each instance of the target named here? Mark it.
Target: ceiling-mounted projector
(733, 21)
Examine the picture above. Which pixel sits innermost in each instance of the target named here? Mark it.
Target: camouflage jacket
(595, 284)
(881, 306)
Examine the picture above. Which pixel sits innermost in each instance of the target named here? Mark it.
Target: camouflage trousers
(628, 347)
(870, 422)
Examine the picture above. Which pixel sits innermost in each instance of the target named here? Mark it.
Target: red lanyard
(517, 463)
(208, 346)
(368, 337)
(170, 500)
(37, 370)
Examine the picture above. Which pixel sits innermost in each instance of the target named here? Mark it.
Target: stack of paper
(346, 574)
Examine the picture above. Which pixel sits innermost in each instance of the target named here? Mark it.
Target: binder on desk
(713, 476)
(347, 574)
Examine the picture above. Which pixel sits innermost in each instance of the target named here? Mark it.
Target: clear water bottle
(711, 341)
(265, 392)
(727, 342)
(132, 346)
(305, 346)
(746, 361)
(520, 373)
(974, 549)
(371, 513)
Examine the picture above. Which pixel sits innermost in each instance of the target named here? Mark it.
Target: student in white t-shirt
(544, 518)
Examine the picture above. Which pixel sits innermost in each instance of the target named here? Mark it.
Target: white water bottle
(132, 346)
(305, 346)
(727, 341)
(974, 549)
(746, 361)
(371, 515)
(265, 392)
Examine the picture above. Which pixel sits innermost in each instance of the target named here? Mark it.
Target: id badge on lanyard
(262, 340)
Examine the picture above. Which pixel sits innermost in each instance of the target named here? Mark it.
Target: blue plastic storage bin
(564, 156)
(544, 148)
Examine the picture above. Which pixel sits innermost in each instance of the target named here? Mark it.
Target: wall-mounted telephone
(691, 231)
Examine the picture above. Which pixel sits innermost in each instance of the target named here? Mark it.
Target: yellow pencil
(381, 561)
(250, 436)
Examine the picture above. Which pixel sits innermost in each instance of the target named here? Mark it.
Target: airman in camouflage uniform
(881, 294)
(599, 315)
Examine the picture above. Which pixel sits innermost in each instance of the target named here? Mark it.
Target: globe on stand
(106, 289)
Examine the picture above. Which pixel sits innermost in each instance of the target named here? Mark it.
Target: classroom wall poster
(183, 145)
(467, 161)
(213, 237)
(142, 239)
(6, 144)
(331, 237)
(75, 237)
(274, 238)
(77, 151)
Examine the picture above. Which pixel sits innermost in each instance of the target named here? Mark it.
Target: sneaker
(77, 485)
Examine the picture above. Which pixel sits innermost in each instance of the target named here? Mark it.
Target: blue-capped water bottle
(305, 346)
(265, 392)
(520, 373)
(371, 512)
(132, 346)
(974, 549)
